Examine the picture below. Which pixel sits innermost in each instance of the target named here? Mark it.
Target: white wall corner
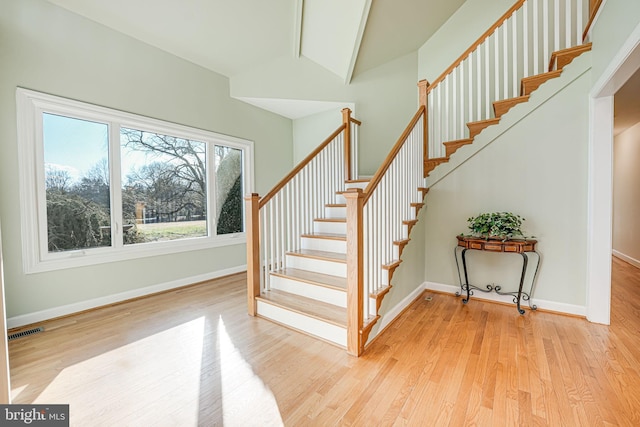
(599, 211)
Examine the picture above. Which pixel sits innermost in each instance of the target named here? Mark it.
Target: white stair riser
(328, 245)
(335, 212)
(362, 185)
(309, 325)
(317, 265)
(308, 290)
(340, 199)
(330, 227)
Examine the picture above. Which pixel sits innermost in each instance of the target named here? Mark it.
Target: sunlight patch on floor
(246, 399)
(152, 381)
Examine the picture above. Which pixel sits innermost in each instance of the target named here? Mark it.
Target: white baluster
(545, 33)
(579, 20)
(556, 25)
(505, 60)
(514, 49)
(536, 47)
(454, 104)
(487, 82)
(568, 18)
(525, 43)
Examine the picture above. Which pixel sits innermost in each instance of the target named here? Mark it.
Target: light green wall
(537, 169)
(617, 20)
(48, 49)
(449, 42)
(310, 131)
(626, 193)
(385, 97)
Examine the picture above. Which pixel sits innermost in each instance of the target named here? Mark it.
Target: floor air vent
(25, 333)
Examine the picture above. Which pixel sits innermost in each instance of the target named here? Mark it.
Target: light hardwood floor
(194, 357)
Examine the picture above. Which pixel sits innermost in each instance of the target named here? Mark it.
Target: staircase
(310, 294)
(559, 60)
(322, 246)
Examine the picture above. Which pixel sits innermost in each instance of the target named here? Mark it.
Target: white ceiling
(232, 36)
(347, 37)
(225, 36)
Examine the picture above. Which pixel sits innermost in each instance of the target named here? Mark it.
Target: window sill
(75, 259)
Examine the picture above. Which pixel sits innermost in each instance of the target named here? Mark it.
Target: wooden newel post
(252, 214)
(355, 270)
(346, 120)
(423, 87)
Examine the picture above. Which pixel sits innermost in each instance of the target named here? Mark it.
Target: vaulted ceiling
(346, 37)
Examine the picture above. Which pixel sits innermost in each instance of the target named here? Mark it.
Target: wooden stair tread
(326, 280)
(392, 264)
(476, 127)
(562, 58)
(452, 146)
(320, 310)
(423, 190)
(501, 107)
(336, 205)
(357, 180)
(529, 84)
(321, 255)
(331, 219)
(381, 292)
(431, 164)
(326, 236)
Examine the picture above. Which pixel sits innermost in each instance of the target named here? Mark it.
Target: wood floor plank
(193, 356)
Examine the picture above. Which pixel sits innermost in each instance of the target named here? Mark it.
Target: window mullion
(210, 167)
(115, 184)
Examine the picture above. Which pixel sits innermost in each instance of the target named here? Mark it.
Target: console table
(525, 248)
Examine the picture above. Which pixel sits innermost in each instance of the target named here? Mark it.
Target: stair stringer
(538, 98)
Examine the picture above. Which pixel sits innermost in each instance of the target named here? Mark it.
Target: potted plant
(496, 225)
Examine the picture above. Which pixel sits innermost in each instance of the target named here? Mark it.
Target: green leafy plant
(501, 225)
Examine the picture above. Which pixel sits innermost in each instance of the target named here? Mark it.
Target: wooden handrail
(478, 42)
(595, 7)
(392, 155)
(299, 167)
(352, 120)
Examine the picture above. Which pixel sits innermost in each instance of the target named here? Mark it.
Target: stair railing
(377, 217)
(518, 45)
(275, 222)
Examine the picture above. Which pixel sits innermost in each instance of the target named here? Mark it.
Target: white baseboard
(626, 258)
(64, 310)
(559, 307)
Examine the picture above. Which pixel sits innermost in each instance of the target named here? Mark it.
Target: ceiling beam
(297, 28)
(356, 47)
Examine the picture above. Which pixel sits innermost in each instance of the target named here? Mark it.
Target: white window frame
(35, 254)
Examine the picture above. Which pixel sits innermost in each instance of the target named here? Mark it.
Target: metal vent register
(25, 333)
